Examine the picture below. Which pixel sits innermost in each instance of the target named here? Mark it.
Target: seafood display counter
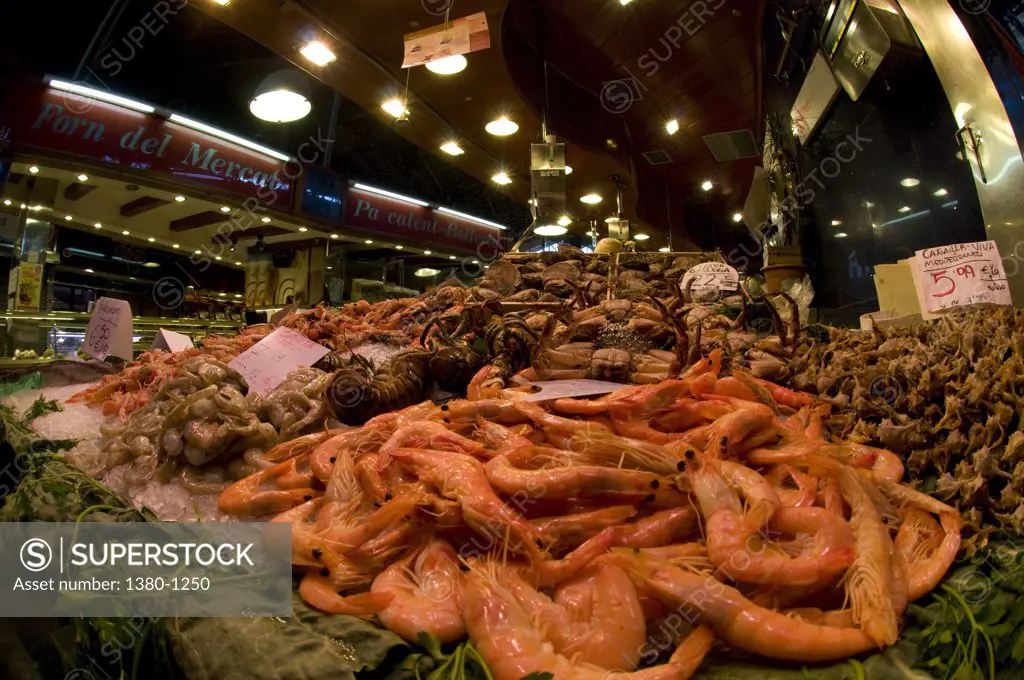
(751, 496)
(64, 332)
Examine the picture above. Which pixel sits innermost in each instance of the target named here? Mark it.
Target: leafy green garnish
(41, 407)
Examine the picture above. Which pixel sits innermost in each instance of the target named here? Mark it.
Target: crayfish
(359, 392)
(454, 362)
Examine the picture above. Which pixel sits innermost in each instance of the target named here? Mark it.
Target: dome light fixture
(502, 126)
(550, 230)
(447, 66)
(33, 169)
(426, 272)
(83, 178)
(909, 182)
(591, 199)
(641, 237)
(282, 97)
(672, 126)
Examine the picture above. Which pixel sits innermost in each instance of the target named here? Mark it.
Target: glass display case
(64, 332)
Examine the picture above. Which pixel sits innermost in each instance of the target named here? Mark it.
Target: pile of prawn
(573, 536)
(124, 393)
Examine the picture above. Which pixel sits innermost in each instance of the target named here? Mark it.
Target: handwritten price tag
(711, 276)
(110, 330)
(266, 364)
(961, 275)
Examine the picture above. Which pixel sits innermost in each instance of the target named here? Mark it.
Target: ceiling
(699, 66)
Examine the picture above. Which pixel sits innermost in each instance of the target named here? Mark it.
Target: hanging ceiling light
(282, 97)
(395, 108)
(502, 127)
(447, 66)
(550, 230)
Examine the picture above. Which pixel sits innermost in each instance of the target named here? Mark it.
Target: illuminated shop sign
(71, 124)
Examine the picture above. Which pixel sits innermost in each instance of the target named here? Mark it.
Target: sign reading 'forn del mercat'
(436, 229)
(44, 118)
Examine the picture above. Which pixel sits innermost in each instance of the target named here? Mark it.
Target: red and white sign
(960, 275)
(40, 117)
(365, 210)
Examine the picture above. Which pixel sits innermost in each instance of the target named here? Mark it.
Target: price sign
(961, 275)
(171, 341)
(560, 389)
(711, 276)
(266, 364)
(110, 330)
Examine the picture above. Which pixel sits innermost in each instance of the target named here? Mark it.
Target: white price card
(711, 276)
(171, 341)
(266, 364)
(110, 330)
(961, 275)
(561, 389)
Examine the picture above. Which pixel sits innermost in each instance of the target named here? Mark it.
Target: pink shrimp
(462, 478)
(425, 599)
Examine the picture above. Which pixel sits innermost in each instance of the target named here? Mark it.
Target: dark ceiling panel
(141, 205)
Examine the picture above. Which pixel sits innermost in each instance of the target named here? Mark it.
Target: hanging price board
(110, 330)
(961, 275)
(711, 276)
(266, 364)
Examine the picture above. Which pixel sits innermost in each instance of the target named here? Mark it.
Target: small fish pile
(205, 429)
(557, 537)
(947, 396)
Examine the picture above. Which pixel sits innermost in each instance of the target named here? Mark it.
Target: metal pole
(96, 36)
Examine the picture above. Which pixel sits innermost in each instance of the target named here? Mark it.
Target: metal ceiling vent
(657, 157)
(731, 146)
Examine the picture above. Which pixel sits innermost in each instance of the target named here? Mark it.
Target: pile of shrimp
(620, 534)
(124, 393)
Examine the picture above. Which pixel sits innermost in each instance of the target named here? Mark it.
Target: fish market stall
(715, 488)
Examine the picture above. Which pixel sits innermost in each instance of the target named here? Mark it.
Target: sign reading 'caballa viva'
(434, 229)
(43, 118)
